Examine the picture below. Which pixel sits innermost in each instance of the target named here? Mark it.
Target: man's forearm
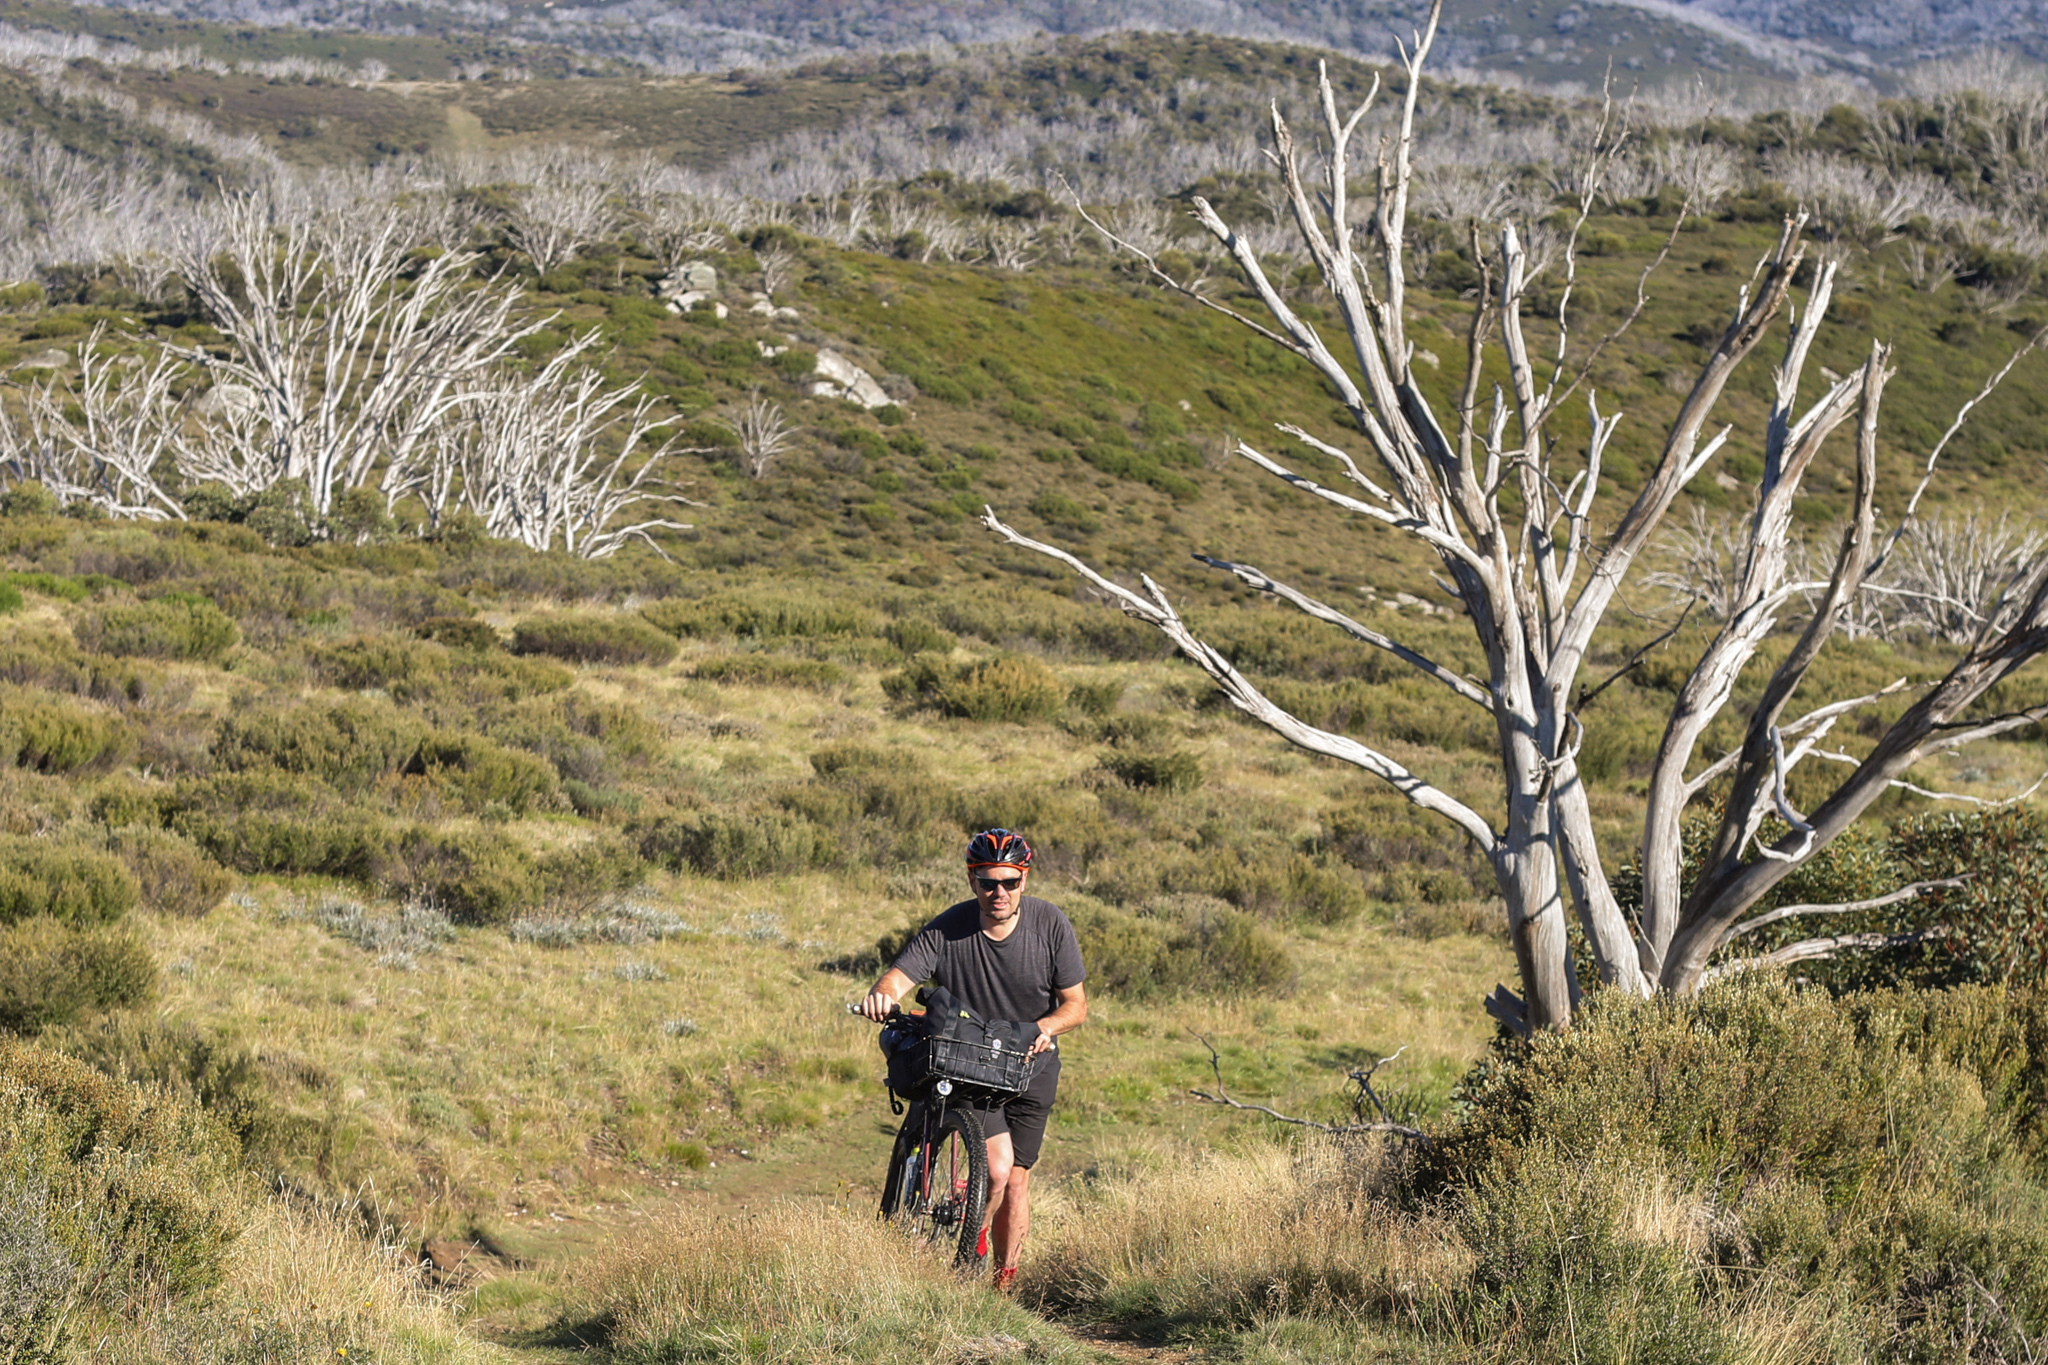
(1068, 1016)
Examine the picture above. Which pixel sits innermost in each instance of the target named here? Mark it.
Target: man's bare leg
(1002, 1159)
(1012, 1219)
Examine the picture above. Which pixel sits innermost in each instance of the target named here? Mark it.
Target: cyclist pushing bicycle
(1005, 956)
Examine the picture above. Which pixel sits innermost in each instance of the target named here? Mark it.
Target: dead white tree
(107, 440)
(343, 353)
(765, 436)
(1953, 572)
(555, 460)
(1510, 514)
(553, 220)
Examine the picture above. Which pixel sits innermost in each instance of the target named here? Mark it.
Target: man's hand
(877, 1005)
(1041, 1044)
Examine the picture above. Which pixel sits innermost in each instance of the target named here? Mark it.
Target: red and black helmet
(998, 848)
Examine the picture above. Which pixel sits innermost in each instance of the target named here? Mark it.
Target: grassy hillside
(517, 896)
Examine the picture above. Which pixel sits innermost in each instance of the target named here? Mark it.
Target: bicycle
(936, 1184)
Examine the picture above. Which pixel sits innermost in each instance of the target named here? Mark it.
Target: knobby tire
(947, 1207)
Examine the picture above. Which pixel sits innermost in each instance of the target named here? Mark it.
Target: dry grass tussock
(1192, 1237)
(303, 1285)
(797, 1284)
(1300, 1254)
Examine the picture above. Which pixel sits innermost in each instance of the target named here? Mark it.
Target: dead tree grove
(1510, 515)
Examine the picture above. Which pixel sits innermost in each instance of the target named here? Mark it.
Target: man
(1006, 956)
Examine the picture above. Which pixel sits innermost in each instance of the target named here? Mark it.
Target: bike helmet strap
(998, 848)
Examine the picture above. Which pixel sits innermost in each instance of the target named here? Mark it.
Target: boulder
(691, 276)
(839, 377)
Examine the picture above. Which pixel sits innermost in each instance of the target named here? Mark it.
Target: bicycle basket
(972, 1056)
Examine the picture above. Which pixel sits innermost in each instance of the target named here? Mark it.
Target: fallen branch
(1361, 1076)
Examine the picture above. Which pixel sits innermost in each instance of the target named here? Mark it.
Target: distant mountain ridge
(1889, 32)
(1547, 42)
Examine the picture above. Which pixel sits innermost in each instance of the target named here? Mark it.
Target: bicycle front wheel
(938, 1182)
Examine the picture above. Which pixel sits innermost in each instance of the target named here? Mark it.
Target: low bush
(174, 876)
(266, 821)
(52, 973)
(175, 626)
(741, 843)
(53, 734)
(476, 878)
(407, 669)
(760, 618)
(1177, 771)
(1839, 1151)
(1203, 948)
(912, 635)
(460, 632)
(1275, 885)
(772, 670)
(480, 774)
(121, 1198)
(68, 882)
(349, 743)
(594, 640)
(1015, 688)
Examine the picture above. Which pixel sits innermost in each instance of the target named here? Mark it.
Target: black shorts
(1023, 1116)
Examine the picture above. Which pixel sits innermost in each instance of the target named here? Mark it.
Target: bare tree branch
(1362, 1077)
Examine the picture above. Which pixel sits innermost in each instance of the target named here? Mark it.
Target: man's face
(998, 889)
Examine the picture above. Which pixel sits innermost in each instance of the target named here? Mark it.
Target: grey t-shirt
(1018, 979)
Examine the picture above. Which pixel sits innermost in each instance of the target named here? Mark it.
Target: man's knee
(1018, 1181)
(1002, 1162)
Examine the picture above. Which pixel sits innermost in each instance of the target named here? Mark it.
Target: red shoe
(1006, 1280)
(981, 1247)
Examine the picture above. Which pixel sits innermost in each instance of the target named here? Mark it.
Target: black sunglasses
(994, 884)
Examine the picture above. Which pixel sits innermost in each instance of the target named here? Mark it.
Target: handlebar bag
(948, 1042)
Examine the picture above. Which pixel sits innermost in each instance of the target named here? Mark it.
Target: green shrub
(350, 743)
(1095, 699)
(174, 876)
(56, 735)
(1056, 507)
(498, 676)
(915, 636)
(52, 973)
(407, 669)
(1206, 948)
(1272, 884)
(594, 640)
(757, 843)
(477, 878)
(28, 498)
(175, 626)
(1015, 688)
(759, 618)
(479, 773)
(584, 874)
(264, 820)
(772, 670)
(1177, 771)
(1854, 1149)
(10, 599)
(460, 632)
(59, 586)
(67, 882)
(143, 1194)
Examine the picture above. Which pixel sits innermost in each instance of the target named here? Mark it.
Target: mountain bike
(936, 1184)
